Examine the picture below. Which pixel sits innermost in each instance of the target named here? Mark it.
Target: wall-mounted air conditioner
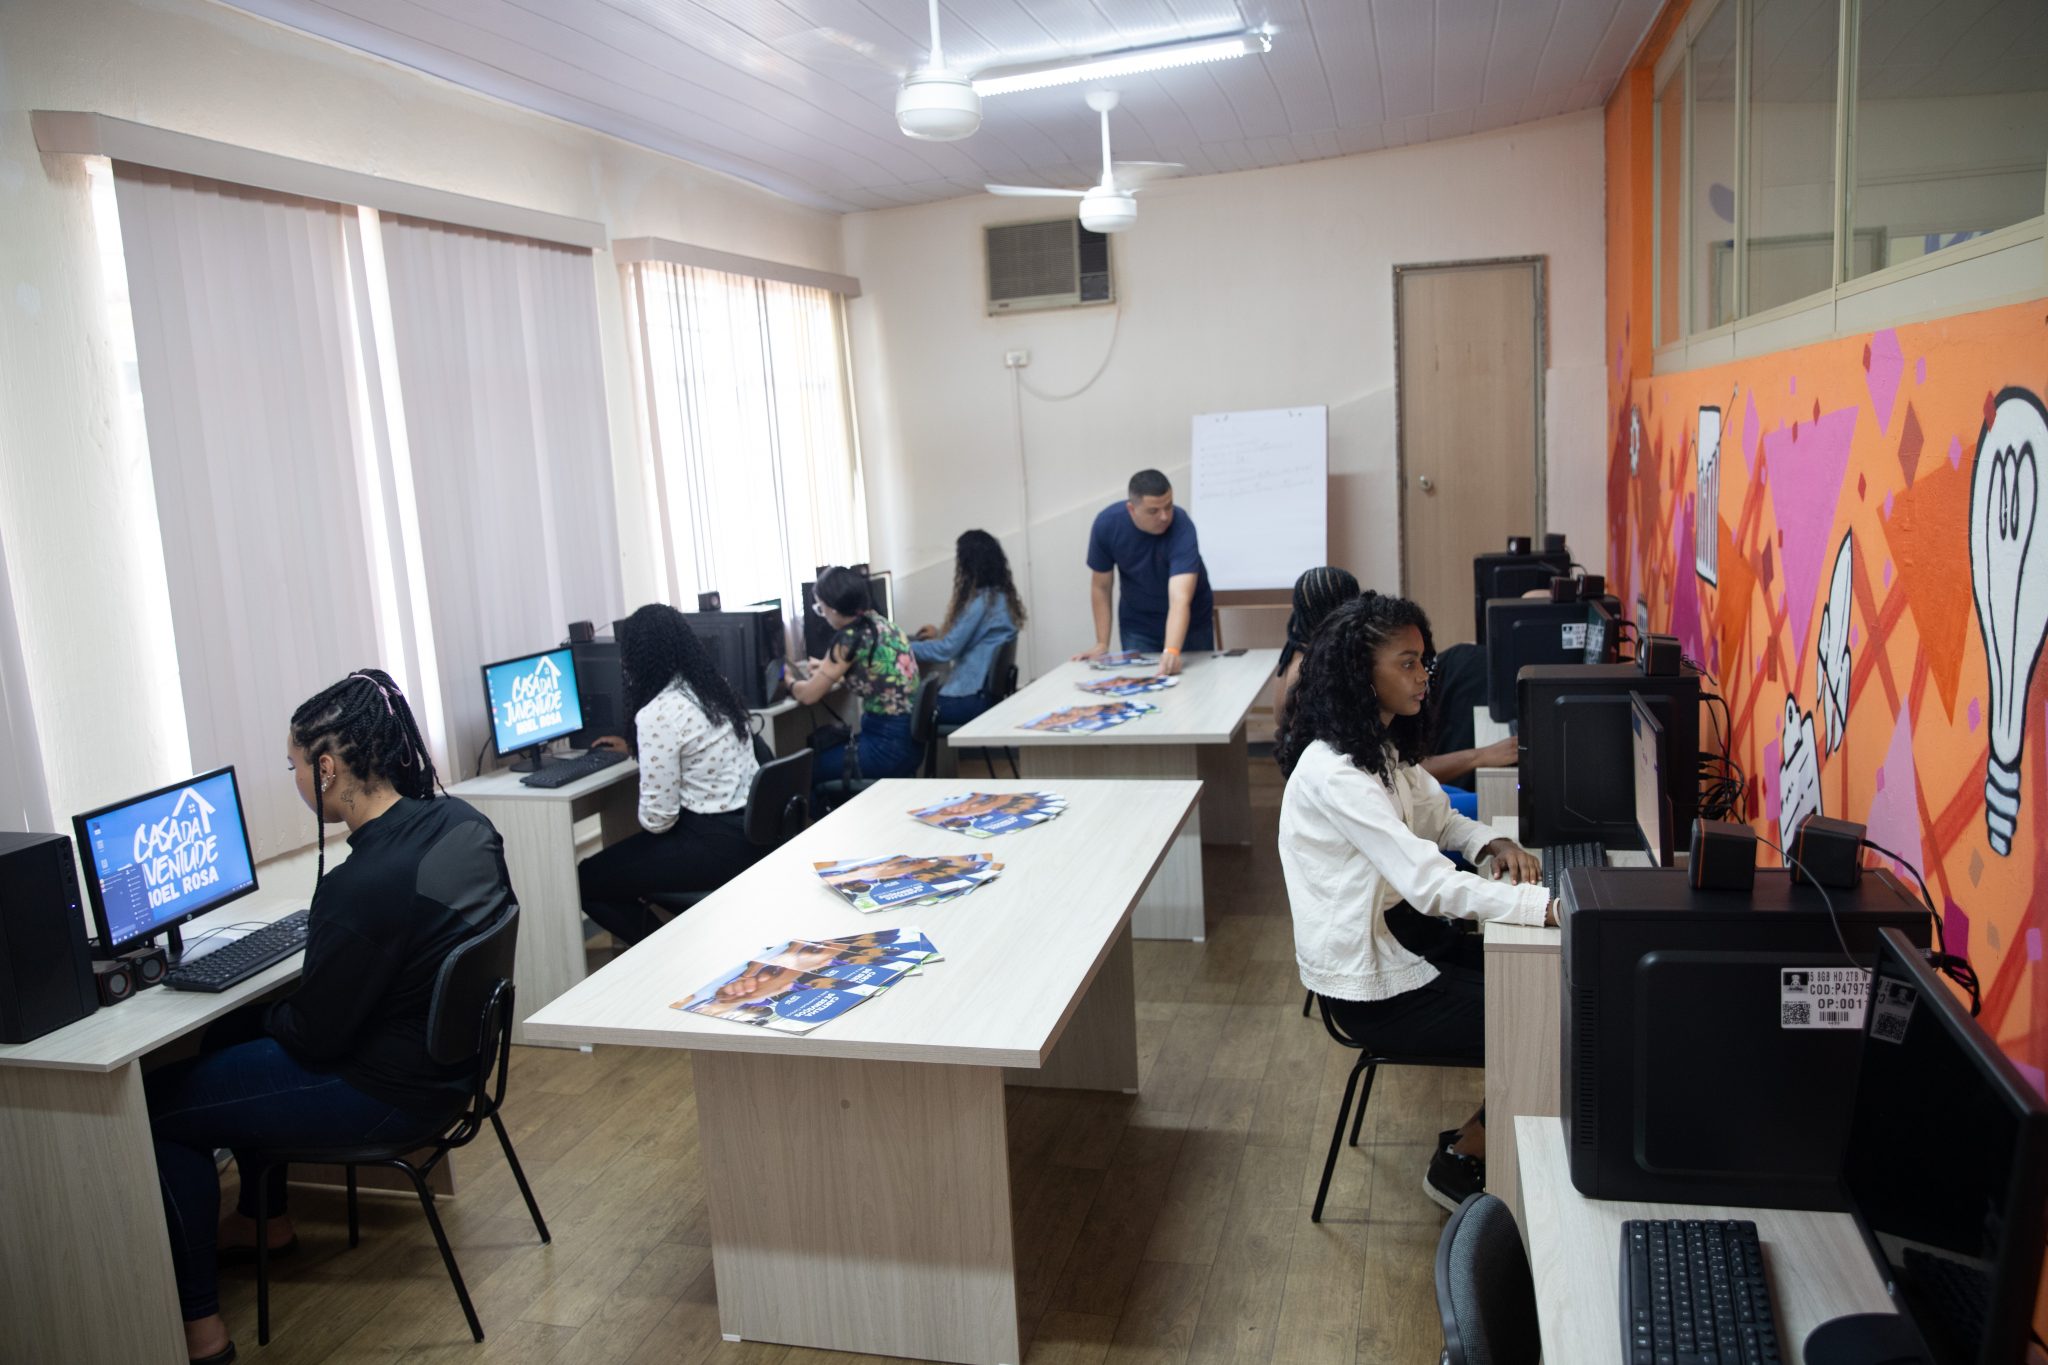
(1052, 264)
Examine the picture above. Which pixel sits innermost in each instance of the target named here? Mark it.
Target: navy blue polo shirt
(1144, 562)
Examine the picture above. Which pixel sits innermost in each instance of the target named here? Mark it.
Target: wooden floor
(1167, 1227)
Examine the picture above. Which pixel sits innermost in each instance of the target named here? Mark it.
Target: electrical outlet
(1016, 360)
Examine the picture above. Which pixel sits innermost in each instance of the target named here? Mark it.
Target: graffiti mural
(1834, 646)
(2009, 578)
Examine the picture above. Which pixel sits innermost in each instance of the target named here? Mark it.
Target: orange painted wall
(1871, 442)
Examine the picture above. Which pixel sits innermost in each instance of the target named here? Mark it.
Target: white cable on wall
(1116, 319)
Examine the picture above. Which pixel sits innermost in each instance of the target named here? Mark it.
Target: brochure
(1088, 719)
(1127, 685)
(904, 879)
(984, 815)
(1129, 659)
(796, 986)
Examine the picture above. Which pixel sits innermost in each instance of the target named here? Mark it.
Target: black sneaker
(1452, 1179)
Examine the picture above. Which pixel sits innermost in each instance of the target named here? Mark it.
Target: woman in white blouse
(696, 755)
(1363, 829)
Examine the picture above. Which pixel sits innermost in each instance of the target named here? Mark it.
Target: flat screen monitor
(532, 700)
(818, 632)
(1653, 820)
(1511, 575)
(156, 860)
(601, 691)
(1603, 633)
(1946, 1171)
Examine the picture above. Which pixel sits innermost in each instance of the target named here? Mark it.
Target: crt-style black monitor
(156, 860)
(532, 700)
(1574, 750)
(818, 633)
(1653, 806)
(1522, 631)
(1946, 1171)
(1511, 575)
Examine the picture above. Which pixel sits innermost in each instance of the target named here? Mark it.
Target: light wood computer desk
(83, 1255)
(858, 1176)
(1198, 732)
(538, 825)
(1818, 1265)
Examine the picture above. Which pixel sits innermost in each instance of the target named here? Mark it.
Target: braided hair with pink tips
(367, 725)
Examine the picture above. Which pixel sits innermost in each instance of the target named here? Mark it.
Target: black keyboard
(1558, 857)
(564, 771)
(1695, 1293)
(233, 963)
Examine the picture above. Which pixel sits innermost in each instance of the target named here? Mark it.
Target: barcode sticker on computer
(1892, 1014)
(1572, 636)
(1822, 997)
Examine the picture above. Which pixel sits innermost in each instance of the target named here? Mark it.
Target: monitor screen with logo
(533, 699)
(154, 861)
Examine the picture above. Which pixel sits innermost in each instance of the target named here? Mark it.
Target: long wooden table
(858, 1176)
(1197, 732)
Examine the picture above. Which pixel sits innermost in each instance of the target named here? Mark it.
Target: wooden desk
(84, 1258)
(857, 1177)
(1817, 1263)
(1198, 732)
(1499, 789)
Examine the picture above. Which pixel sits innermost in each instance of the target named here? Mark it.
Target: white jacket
(1352, 847)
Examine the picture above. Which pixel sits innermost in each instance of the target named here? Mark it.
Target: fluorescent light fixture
(1188, 52)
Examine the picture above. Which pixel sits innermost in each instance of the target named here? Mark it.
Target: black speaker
(1827, 851)
(114, 979)
(1723, 856)
(148, 964)
(45, 969)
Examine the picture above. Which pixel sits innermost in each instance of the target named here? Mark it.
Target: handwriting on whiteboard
(1260, 494)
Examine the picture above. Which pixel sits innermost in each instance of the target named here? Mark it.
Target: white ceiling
(798, 95)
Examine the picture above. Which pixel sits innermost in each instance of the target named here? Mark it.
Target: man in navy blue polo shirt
(1166, 604)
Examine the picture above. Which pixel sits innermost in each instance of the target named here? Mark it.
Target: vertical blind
(24, 800)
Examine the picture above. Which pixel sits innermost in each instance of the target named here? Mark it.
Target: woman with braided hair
(1363, 831)
(344, 1057)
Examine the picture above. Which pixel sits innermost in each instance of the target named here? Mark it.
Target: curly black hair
(656, 648)
(979, 566)
(1335, 700)
(365, 722)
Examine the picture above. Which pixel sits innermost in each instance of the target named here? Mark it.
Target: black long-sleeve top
(419, 879)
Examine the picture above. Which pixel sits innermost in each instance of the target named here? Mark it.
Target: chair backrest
(924, 716)
(1335, 1030)
(1484, 1291)
(779, 801)
(1002, 672)
(468, 975)
(763, 755)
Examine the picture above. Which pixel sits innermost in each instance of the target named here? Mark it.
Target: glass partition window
(1670, 190)
(1712, 194)
(1951, 124)
(1790, 218)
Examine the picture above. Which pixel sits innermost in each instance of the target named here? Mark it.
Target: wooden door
(1468, 356)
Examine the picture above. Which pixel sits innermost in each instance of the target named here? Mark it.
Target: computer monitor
(1603, 631)
(882, 593)
(1574, 751)
(601, 688)
(1653, 807)
(1946, 1171)
(818, 632)
(1511, 575)
(1521, 631)
(746, 647)
(156, 860)
(533, 700)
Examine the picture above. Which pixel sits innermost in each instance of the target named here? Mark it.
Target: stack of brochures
(796, 986)
(1112, 662)
(1128, 685)
(900, 880)
(1087, 719)
(987, 814)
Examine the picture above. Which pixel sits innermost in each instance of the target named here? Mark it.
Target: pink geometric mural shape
(1955, 452)
(1806, 482)
(1894, 818)
(2036, 1077)
(1955, 928)
(1887, 563)
(1976, 715)
(1882, 366)
(1752, 432)
(1920, 370)
(1770, 784)
(2033, 945)
(1685, 596)
(1911, 440)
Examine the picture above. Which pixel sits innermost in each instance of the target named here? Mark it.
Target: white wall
(77, 514)
(1259, 289)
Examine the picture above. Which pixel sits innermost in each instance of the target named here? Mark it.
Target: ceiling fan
(1109, 206)
(936, 103)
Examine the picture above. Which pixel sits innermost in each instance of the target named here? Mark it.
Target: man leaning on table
(1151, 545)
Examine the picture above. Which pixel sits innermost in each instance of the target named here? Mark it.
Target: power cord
(1955, 968)
(478, 766)
(1721, 794)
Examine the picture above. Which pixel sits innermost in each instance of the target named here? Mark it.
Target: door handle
(1427, 486)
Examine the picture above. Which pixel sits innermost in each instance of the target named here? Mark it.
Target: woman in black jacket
(344, 1058)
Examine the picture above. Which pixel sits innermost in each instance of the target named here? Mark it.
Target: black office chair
(924, 732)
(469, 1019)
(1484, 1291)
(778, 808)
(1368, 1062)
(1000, 684)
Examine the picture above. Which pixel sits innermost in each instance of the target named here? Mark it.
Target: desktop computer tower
(1524, 631)
(45, 968)
(1575, 750)
(1511, 575)
(746, 646)
(601, 684)
(1711, 1038)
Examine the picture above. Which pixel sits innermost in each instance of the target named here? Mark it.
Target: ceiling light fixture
(1188, 52)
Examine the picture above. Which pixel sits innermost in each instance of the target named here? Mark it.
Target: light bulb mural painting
(1798, 773)
(2009, 579)
(1834, 646)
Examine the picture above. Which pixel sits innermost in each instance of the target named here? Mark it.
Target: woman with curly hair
(696, 753)
(982, 617)
(1363, 830)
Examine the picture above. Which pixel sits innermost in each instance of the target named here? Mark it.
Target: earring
(325, 782)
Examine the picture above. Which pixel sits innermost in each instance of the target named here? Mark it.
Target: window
(1712, 200)
(1670, 174)
(1951, 124)
(1789, 217)
(750, 428)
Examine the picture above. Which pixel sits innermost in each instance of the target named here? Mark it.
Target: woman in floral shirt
(873, 659)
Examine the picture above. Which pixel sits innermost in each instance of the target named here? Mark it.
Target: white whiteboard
(1261, 495)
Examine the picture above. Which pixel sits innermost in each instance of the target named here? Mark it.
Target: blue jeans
(886, 750)
(960, 710)
(247, 1096)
